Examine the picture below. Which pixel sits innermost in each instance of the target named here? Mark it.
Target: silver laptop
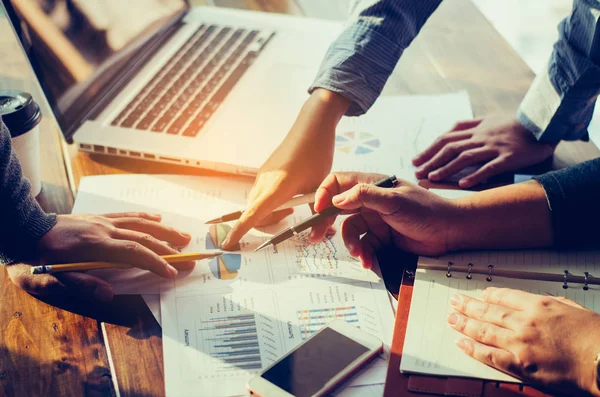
(205, 87)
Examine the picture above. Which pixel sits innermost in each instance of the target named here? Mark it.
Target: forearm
(560, 103)
(323, 108)
(317, 120)
(514, 216)
(22, 221)
(558, 209)
(358, 64)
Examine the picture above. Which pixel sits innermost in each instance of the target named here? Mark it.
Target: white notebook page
(429, 347)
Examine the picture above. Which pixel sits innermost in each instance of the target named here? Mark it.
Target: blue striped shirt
(559, 104)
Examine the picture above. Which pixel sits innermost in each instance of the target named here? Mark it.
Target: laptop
(160, 80)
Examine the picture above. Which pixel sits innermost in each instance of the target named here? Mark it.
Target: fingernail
(433, 176)
(456, 300)
(186, 235)
(463, 182)
(366, 264)
(453, 319)
(339, 199)
(225, 242)
(103, 293)
(461, 344)
(172, 270)
(350, 249)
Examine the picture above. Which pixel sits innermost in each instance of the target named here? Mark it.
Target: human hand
(408, 216)
(137, 239)
(500, 143)
(551, 341)
(297, 166)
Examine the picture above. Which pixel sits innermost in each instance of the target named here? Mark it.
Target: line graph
(315, 258)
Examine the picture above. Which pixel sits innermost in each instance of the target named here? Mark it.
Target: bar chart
(312, 320)
(232, 341)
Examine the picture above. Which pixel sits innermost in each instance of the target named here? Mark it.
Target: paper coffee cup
(22, 117)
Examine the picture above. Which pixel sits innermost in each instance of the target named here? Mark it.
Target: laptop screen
(80, 48)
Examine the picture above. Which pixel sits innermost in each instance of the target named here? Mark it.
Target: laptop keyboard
(183, 95)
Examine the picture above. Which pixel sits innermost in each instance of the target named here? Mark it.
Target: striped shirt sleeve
(560, 103)
(358, 64)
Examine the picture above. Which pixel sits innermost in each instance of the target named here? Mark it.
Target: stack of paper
(233, 315)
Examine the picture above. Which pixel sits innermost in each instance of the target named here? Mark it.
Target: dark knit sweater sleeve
(22, 221)
(574, 198)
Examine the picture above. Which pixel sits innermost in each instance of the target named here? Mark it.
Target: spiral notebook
(429, 346)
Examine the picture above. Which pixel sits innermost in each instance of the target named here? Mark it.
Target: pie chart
(352, 142)
(226, 266)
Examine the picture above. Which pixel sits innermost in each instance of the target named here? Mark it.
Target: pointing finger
(258, 210)
(275, 217)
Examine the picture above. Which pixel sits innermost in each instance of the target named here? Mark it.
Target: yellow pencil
(84, 266)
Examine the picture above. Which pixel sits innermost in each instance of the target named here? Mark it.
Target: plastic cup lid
(19, 111)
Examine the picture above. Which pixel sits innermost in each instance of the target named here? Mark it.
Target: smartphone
(319, 364)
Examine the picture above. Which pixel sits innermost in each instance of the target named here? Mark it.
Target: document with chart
(186, 203)
(395, 130)
(215, 340)
(233, 315)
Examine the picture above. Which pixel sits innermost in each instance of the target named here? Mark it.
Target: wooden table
(61, 348)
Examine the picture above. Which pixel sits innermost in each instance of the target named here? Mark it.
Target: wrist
(528, 129)
(317, 121)
(330, 104)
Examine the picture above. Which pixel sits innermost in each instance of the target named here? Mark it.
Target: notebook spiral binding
(489, 276)
(470, 271)
(449, 272)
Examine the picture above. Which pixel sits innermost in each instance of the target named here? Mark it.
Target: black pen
(292, 231)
